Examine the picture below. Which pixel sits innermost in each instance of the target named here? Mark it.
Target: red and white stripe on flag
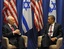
(9, 9)
(38, 13)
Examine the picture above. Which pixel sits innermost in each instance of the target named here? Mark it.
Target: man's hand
(17, 31)
(54, 38)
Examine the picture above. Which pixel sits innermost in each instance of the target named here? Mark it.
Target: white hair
(9, 17)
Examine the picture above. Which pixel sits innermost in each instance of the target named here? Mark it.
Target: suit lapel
(14, 27)
(48, 27)
(54, 28)
(8, 27)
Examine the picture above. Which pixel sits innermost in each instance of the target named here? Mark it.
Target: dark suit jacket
(56, 33)
(57, 30)
(7, 32)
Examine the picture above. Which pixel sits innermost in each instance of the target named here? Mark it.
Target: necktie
(50, 30)
(12, 28)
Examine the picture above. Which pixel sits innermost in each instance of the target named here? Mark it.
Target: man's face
(12, 21)
(50, 20)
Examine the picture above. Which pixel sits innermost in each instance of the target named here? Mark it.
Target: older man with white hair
(13, 33)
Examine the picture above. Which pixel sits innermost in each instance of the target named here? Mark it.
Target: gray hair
(9, 17)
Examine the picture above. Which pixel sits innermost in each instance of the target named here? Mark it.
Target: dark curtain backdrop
(1, 5)
(1, 2)
(32, 34)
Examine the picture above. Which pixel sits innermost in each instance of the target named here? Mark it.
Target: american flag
(38, 13)
(9, 9)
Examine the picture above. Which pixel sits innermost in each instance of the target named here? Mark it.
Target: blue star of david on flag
(52, 8)
(26, 4)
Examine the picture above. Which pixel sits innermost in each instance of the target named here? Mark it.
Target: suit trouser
(21, 44)
(46, 42)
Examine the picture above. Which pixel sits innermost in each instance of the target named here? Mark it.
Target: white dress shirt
(52, 29)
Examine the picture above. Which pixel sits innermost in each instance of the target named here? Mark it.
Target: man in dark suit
(51, 33)
(13, 33)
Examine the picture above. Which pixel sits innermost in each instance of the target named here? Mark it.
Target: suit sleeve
(6, 32)
(60, 31)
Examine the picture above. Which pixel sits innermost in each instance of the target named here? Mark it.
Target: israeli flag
(52, 8)
(26, 16)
